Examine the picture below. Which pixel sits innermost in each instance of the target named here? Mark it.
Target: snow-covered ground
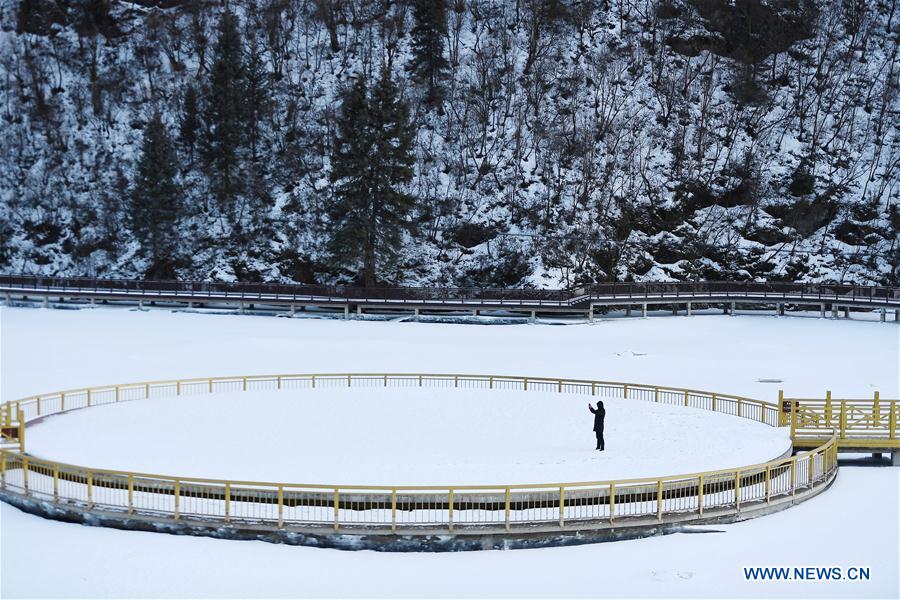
(402, 436)
(853, 524)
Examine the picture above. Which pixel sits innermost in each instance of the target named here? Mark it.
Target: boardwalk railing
(503, 298)
(720, 493)
(857, 423)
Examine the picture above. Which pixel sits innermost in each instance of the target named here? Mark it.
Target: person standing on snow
(599, 416)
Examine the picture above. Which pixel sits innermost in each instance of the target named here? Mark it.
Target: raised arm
(591, 408)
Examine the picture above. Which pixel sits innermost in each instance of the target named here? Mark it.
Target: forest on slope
(545, 143)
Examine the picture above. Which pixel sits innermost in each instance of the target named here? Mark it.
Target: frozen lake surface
(402, 436)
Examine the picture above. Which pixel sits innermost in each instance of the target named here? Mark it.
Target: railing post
(876, 410)
(38, 405)
(278, 382)
(659, 499)
(843, 420)
(25, 474)
(420, 381)
(385, 380)
(892, 421)
(559, 387)
(739, 403)
(781, 415)
(768, 485)
(90, 490)
(178, 388)
(130, 493)
(714, 397)
(349, 381)
(686, 393)
(314, 381)
(394, 510)
(177, 498)
(147, 386)
(491, 382)
(625, 390)
(337, 504)
(793, 475)
(593, 388)
(210, 386)
(3, 469)
(227, 501)
(700, 493)
(810, 468)
(507, 509)
(244, 384)
(737, 490)
(456, 382)
(612, 502)
(55, 482)
(793, 419)
(280, 507)
(450, 511)
(562, 506)
(88, 396)
(117, 393)
(62, 402)
(828, 408)
(656, 393)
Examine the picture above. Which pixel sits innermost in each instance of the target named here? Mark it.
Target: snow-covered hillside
(573, 140)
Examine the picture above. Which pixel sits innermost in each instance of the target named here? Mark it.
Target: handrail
(855, 294)
(94, 487)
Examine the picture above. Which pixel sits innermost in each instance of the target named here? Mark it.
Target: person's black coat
(599, 415)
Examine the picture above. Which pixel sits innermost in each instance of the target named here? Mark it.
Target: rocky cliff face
(564, 141)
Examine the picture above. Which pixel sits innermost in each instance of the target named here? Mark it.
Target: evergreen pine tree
(428, 62)
(155, 201)
(225, 115)
(189, 126)
(371, 160)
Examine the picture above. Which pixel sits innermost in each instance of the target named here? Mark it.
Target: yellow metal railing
(856, 422)
(722, 492)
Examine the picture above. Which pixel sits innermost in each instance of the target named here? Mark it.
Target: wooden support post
(244, 384)
(562, 506)
(686, 396)
(625, 390)
(147, 386)
(714, 397)
(876, 411)
(559, 387)
(450, 511)
(25, 474)
(659, 499)
(55, 482)
(394, 510)
(700, 494)
(227, 501)
(768, 485)
(843, 419)
(828, 413)
(740, 404)
(3, 469)
(89, 397)
(507, 509)
(892, 421)
(280, 507)
(90, 490)
(178, 388)
(337, 506)
(737, 490)
(491, 382)
(655, 393)
(177, 490)
(62, 402)
(793, 419)
(612, 502)
(117, 393)
(278, 382)
(130, 493)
